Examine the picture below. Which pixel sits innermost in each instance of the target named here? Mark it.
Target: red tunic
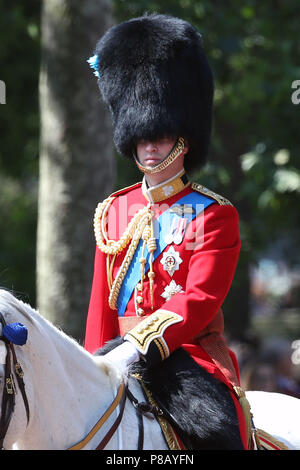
(208, 257)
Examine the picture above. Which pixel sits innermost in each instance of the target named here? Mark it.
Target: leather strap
(19, 375)
(8, 398)
(114, 426)
(211, 340)
(9, 390)
(141, 409)
(118, 400)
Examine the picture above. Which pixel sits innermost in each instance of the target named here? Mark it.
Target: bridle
(11, 368)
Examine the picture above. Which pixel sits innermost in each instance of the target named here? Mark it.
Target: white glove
(123, 355)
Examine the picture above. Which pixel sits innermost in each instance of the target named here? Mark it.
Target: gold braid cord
(116, 286)
(112, 247)
(140, 226)
(150, 170)
(266, 441)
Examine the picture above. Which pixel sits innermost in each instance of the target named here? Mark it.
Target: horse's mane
(11, 302)
(8, 306)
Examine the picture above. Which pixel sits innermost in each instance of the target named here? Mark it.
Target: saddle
(197, 410)
(197, 406)
(261, 440)
(186, 393)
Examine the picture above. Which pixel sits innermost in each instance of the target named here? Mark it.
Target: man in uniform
(167, 248)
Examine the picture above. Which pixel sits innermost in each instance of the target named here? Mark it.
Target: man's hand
(122, 356)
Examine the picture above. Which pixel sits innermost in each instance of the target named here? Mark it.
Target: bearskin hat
(156, 81)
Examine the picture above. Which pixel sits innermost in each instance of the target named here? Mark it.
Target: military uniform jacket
(193, 273)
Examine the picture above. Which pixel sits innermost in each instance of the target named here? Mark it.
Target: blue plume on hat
(94, 64)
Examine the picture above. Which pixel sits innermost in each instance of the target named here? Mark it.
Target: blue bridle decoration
(16, 333)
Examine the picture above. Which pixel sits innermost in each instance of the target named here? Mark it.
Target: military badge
(171, 290)
(171, 261)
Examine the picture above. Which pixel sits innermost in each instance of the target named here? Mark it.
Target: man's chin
(151, 162)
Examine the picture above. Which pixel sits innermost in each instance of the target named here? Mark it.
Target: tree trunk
(77, 165)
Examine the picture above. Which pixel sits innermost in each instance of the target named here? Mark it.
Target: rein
(143, 408)
(120, 399)
(9, 388)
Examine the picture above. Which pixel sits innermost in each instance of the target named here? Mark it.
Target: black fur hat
(155, 78)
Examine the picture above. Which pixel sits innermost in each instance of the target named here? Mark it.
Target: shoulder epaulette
(126, 190)
(207, 192)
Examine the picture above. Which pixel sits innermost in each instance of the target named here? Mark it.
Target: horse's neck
(69, 391)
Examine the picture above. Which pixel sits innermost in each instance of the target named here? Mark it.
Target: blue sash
(162, 225)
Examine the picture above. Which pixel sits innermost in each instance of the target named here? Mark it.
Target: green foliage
(19, 128)
(18, 237)
(19, 59)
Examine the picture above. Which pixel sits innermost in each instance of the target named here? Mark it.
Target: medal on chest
(182, 214)
(171, 261)
(171, 290)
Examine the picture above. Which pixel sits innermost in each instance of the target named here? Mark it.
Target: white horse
(68, 393)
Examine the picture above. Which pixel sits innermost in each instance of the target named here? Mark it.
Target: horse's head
(61, 379)
(14, 416)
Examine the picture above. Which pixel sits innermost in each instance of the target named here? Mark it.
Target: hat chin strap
(170, 158)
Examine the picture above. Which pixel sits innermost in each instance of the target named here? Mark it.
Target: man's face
(153, 153)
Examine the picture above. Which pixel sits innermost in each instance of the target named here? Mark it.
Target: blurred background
(57, 162)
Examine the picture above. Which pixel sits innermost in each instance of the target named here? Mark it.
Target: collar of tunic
(166, 189)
